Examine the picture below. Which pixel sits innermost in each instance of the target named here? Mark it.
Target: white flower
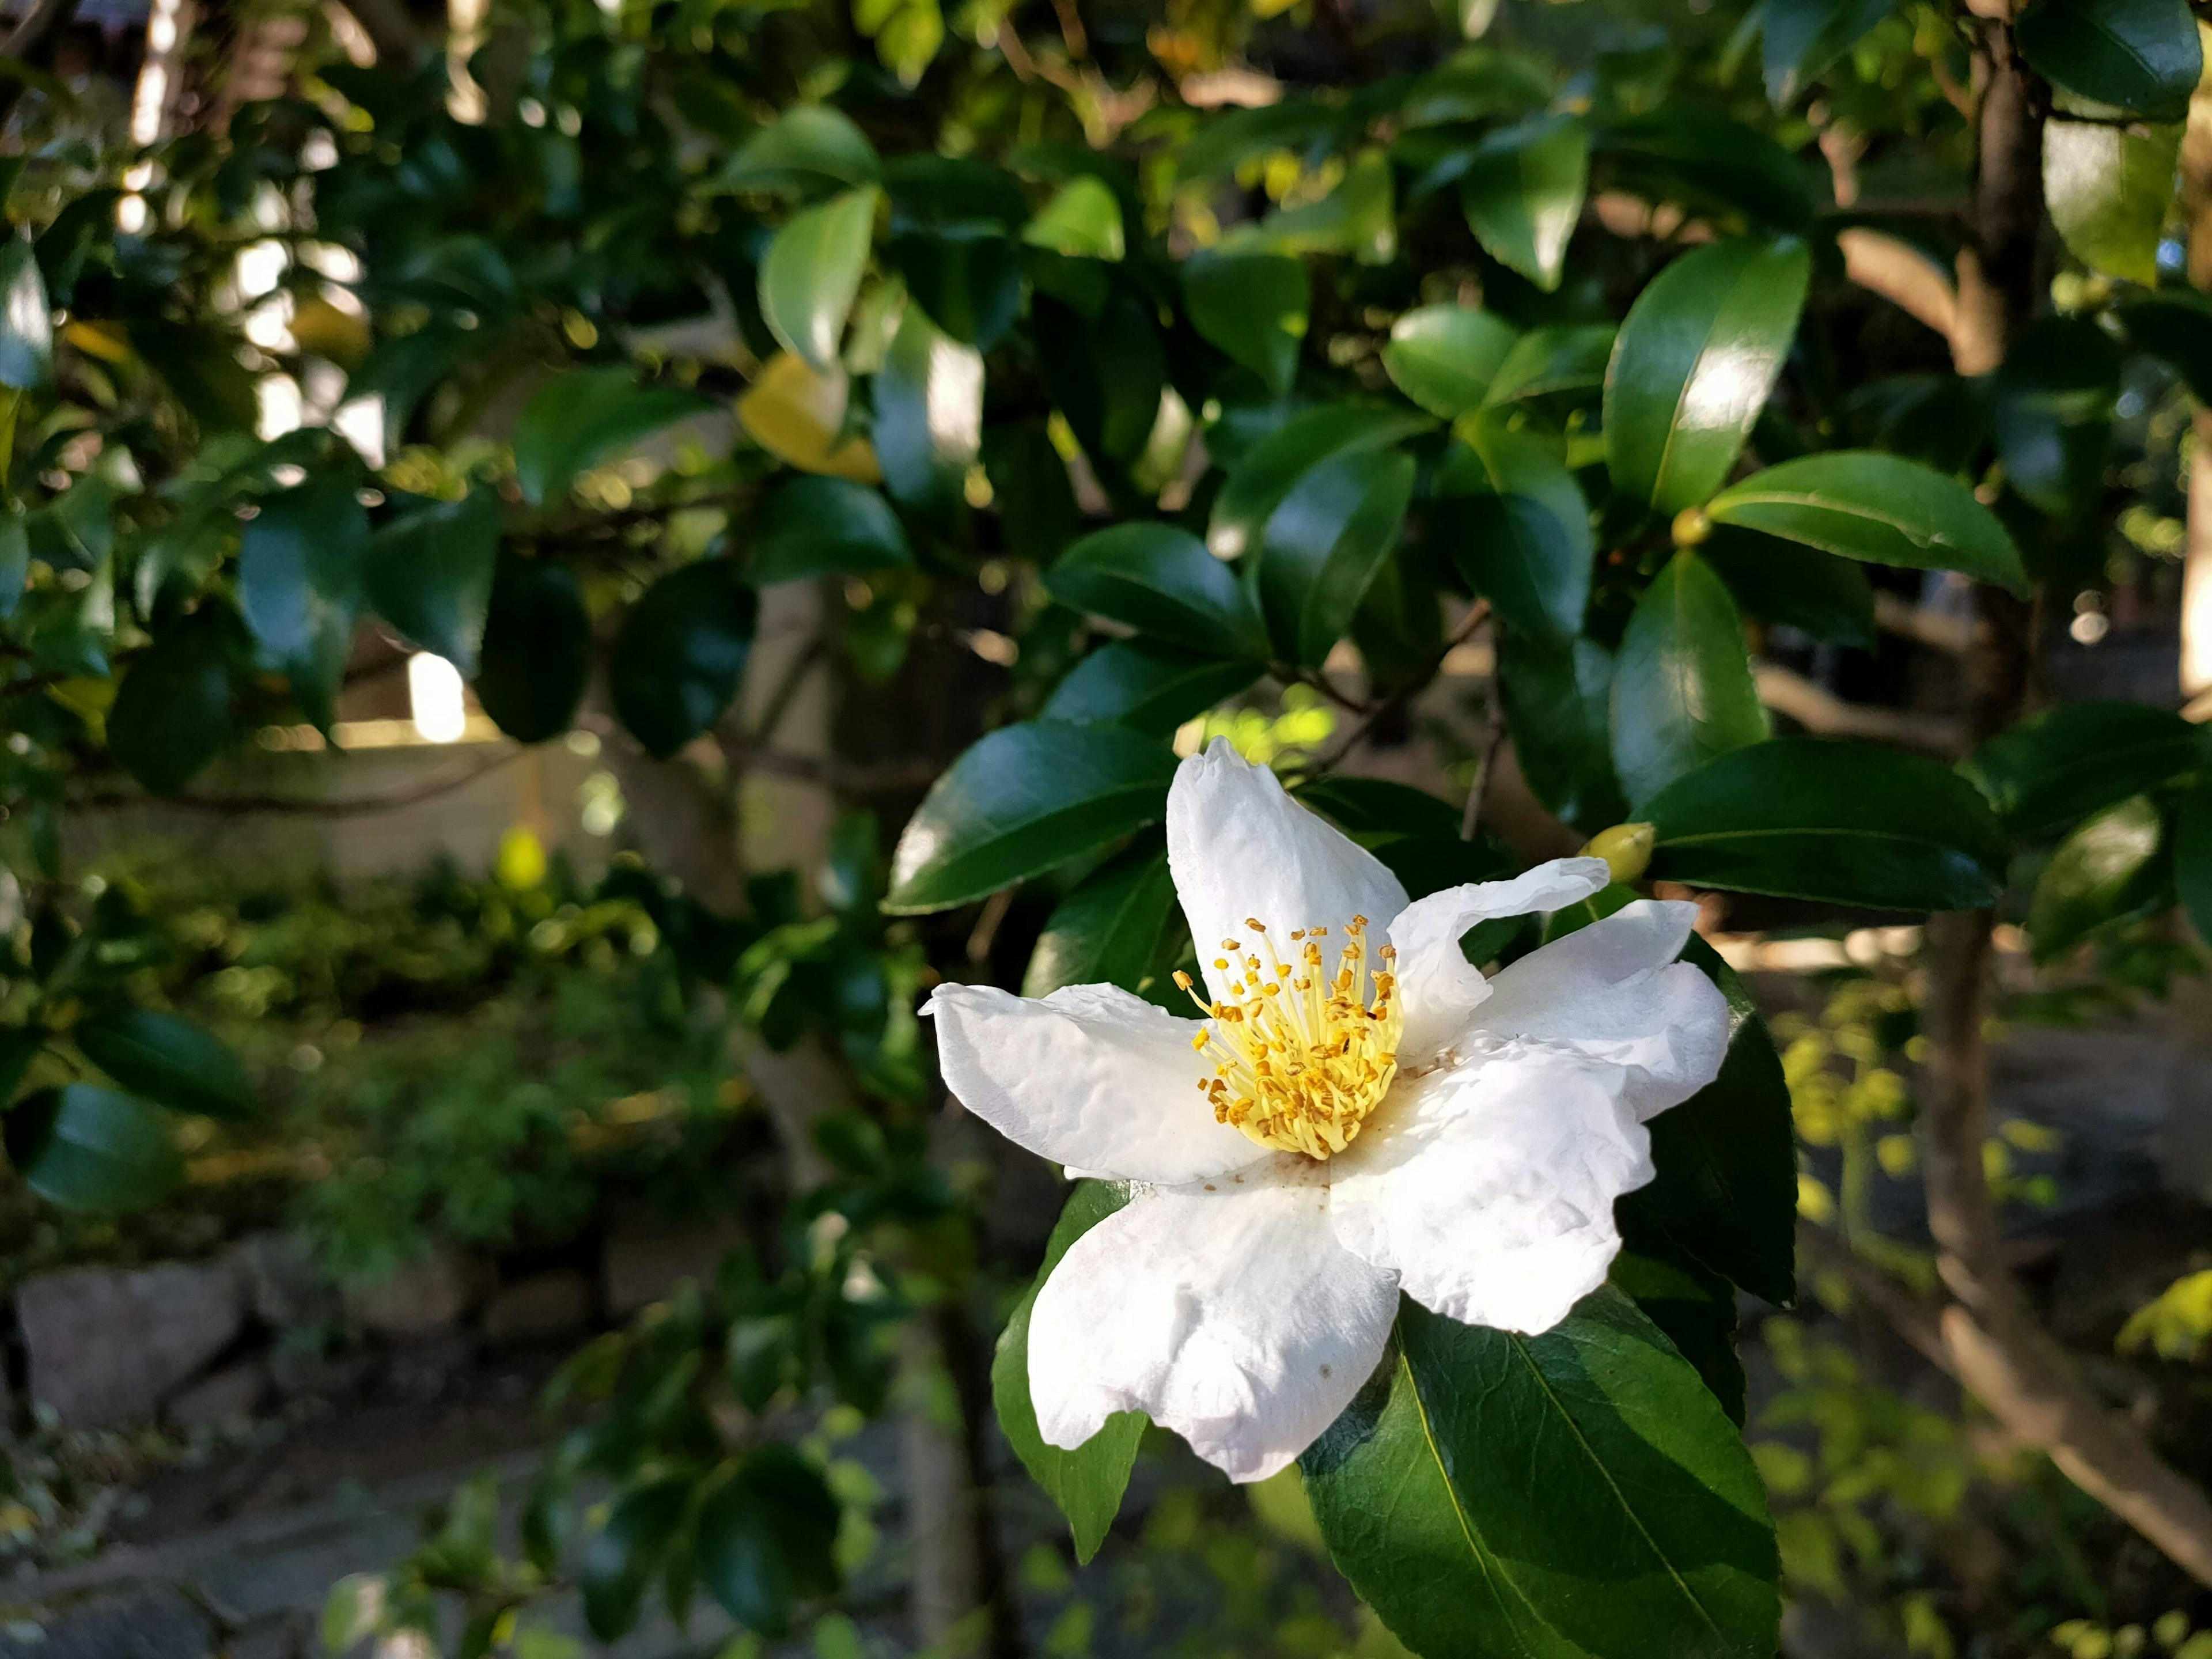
(1338, 1128)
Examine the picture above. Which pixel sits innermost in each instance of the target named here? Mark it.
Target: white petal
(1489, 1189)
(1238, 846)
(1613, 992)
(1438, 986)
(1090, 1076)
(1233, 1317)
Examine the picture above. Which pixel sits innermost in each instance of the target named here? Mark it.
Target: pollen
(1301, 1057)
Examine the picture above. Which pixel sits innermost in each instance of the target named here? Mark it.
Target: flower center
(1300, 1060)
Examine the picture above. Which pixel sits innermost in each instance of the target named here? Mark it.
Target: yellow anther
(1255, 924)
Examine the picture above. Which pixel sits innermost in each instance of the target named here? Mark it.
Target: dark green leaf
(171, 712)
(619, 1559)
(681, 655)
(1029, 488)
(2050, 771)
(1697, 1310)
(2137, 55)
(1023, 799)
(1446, 357)
(169, 1060)
(90, 1148)
(929, 415)
(2052, 413)
(1106, 372)
(1237, 136)
(767, 1538)
(1376, 807)
(1861, 504)
(1514, 519)
(579, 419)
(537, 657)
(1161, 580)
(18, 1046)
(1817, 593)
(430, 574)
(299, 574)
(1705, 161)
(1326, 543)
(1088, 1482)
(967, 278)
(2175, 327)
(1682, 690)
(15, 562)
(813, 270)
(1253, 307)
(1257, 484)
(1548, 361)
(1481, 1484)
(1358, 217)
(1847, 823)
(27, 323)
(1477, 83)
(825, 526)
(1556, 697)
(1148, 688)
(1522, 194)
(2107, 868)
(2193, 857)
(1110, 928)
(1800, 39)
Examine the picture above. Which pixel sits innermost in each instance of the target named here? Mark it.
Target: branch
(1954, 634)
(389, 29)
(1901, 274)
(1819, 710)
(1476, 614)
(846, 777)
(294, 806)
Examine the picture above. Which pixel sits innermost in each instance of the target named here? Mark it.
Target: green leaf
(1366, 807)
(1725, 1194)
(1682, 690)
(1846, 823)
(2108, 190)
(1697, 1310)
(1861, 504)
(1253, 307)
(2053, 770)
(301, 560)
(808, 147)
(1271, 468)
(1105, 373)
(1693, 364)
(1023, 799)
(2174, 326)
(2141, 57)
(536, 656)
(1522, 194)
(1516, 523)
(681, 653)
(430, 574)
(2051, 413)
(168, 1059)
(618, 1560)
(587, 416)
(1152, 689)
(1554, 361)
(89, 1148)
(1030, 491)
(967, 278)
(1800, 39)
(929, 415)
(18, 1046)
(15, 559)
(1446, 357)
(1575, 1493)
(1088, 1482)
(1358, 217)
(813, 270)
(1160, 581)
(820, 526)
(171, 712)
(1556, 697)
(1325, 544)
(1082, 221)
(1778, 581)
(1240, 135)
(26, 322)
(1110, 928)
(1477, 83)
(2192, 856)
(1705, 161)
(2107, 868)
(767, 1537)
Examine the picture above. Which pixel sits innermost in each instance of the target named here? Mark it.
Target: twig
(293, 805)
(846, 777)
(1477, 613)
(1494, 718)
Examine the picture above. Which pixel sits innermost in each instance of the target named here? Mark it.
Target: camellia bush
(1095, 369)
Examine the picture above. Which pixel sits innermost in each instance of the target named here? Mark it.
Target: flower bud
(1691, 526)
(1625, 848)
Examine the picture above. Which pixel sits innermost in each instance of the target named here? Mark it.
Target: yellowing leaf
(796, 413)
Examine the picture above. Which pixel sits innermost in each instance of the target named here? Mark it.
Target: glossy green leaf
(1030, 491)
(1883, 509)
(808, 147)
(1148, 688)
(2192, 856)
(536, 656)
(587, 416)
(2108, 868)
(1110, 928)
(1366, 807)
(1800, 39)
(1083, 221)
(1105, 373)
(171, 712)
(1446, 357)
(767, 1538)
(301, 560)
(2108, 190)
(27, 323)
(1693, 364)
(1696, 1308)
(1848, 823)
(1252, 307)
(1522, 194)
(1777, 581)
(89, 1148)
(1682, 688)
(621, 1557)
(813, 271)
(1701, 160)
(169, 1060)
(929, 415)
(681, 655)
(1160, 581)
(1556, 697)
(430, 574)
(1268, 472)
(1560, 361)
(1087, 1482)
(821, 527)
(2051, 414)
(1326, 543)
(1021, 800)
(1575, 1493)
(2141, 57)
(1515, 521)
(967, 277)
(2053, 770)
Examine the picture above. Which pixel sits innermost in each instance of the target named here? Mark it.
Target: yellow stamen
(1301, 1059)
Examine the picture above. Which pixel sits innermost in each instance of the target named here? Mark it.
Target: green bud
(1625, 848)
